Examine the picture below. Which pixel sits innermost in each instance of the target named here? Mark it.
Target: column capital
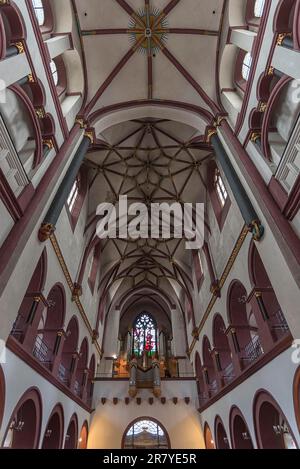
(45, 231)
(77, 291)
(257, 230)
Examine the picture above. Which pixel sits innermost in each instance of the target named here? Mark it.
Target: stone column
(63, 192)
(235, 350)
(261, 316)
(73, 370)
(57, 352)
(244, 203)
(217, 368)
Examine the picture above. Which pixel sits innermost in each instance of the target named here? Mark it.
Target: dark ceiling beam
(149, 52)
(170, 6)
(198, 32)
(123, 4)
(99, 32)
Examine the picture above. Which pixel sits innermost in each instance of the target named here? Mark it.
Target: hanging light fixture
(17, 426)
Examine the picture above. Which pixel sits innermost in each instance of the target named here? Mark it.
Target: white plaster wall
(181, 421)
(277, 378)
(19, 377)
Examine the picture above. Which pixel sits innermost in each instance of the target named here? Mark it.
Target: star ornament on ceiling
(149, 30)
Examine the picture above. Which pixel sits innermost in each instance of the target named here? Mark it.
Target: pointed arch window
(247, 63)
(144, 335)
(39, 11)
(219, 196)
(259, 8)
(220, 188)
(74, 193)
(54, 72)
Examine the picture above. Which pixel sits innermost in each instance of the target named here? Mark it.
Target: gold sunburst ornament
(150, 25)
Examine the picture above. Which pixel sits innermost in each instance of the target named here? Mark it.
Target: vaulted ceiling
(161, 52)
(150, 49)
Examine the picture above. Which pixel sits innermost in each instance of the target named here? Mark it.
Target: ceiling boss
(151, 25)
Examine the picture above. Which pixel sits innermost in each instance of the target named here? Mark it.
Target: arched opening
(272, 428)
(51, 322)
(243, 322)
(146, 433)
(209, 368)
(246, 67)
(76, 197)
(39, 11)
(208, 438)
(266, 298)
(54, 431)
(81, 369)
(83, 438)
(222, 347)
(202, 395)
(218, 193)
(71, 438)
(222, 440)
(259, 8)
(12, 28)
(23, 431)
(240, 435)
(69, 349)
(31, 302)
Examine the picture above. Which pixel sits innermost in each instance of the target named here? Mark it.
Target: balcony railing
(63, 374)
(42, 352)
(228, 373)
(213, 387)
(252, 351)
(77, 388)
(278, 323)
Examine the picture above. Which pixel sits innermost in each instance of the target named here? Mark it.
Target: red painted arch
(238, 426)
(266, 411)
(30, 405)
(221, 438)
(71, 439)
(56, 426)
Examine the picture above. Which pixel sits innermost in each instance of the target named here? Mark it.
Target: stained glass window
(144, 335)
(146, 434)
